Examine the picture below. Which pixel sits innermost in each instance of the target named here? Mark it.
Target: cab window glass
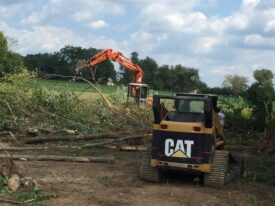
(186, 105)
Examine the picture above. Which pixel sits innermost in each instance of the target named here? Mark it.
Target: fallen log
(37, 148)
(79, 147)
(96, 144)
(241, 148)
(105, 159)
(73, 138)
(7, 135)
(16, 202)
(125, 148)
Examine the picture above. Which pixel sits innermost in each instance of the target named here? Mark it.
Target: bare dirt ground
(103, 184)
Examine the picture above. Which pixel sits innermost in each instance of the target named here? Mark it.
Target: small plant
(32, 196)
(3, 185)
(261, 169)
(104, 180)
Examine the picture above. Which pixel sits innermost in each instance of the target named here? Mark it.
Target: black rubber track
(146, 171)
(220, 167)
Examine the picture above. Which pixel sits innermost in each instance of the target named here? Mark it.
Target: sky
(217, 37)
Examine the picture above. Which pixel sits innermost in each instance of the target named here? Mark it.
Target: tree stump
(268, 143)
(6, 167)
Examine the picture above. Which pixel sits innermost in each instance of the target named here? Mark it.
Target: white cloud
(238, 21)
(172, 32)
(96, 24)
(34, 18)
(9, 9)
(270, 27)
(259, 42)
(81, 15)
(51, 39)
(206, 44)
(250, 4)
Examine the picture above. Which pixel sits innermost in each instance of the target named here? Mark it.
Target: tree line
(165, 77)
(160, 77)
(260, 95)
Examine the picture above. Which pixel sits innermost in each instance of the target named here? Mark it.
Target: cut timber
(16, 202)
(37, 148)
(32, 131)
(73, 138)
(125, 148)
(5, 133)
(96, 144)
(105, 159)
(241, 148)
(14, 182)
(7, 136)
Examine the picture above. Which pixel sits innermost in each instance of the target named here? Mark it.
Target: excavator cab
(188, 137)
(139, 92)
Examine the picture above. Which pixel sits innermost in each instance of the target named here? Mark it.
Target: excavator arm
(116, 57)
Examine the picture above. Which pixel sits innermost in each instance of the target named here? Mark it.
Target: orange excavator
(137, 91)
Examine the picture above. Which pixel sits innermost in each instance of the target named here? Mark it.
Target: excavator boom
(116, 57)
(137, 90)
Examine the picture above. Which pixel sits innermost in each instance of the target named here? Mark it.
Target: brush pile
(25, 103)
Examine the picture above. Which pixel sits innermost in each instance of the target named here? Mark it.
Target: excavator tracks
(146, 171)
(222, 170)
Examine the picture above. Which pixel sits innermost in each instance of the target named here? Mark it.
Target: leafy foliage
(175, 78)
(35, 105)
(261, 95)
(64, 62)
(236, 83)
(32, 195)
(261, 169)
(10, 62)
(238, 113)
(3, 185)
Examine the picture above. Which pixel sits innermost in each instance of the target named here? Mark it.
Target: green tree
(165, 78)
(261, 96)
(187, 78)
(225, 91)
(238, 84)
(9, 61)
(127, 75)
(149, 67)
(64, 62)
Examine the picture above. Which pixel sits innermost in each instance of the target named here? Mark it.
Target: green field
(82, 87)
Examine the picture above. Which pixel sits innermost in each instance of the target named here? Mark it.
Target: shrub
(24, 102)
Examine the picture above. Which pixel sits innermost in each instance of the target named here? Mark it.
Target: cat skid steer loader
(189, 137)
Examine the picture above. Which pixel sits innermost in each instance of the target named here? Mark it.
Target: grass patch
(33, 196)
(3, 186)
(260, 169)
(81, 87)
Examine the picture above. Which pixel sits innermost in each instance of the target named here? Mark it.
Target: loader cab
(188, 108)
(138, 92)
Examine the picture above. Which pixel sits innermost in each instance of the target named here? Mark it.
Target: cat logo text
(178, 148)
